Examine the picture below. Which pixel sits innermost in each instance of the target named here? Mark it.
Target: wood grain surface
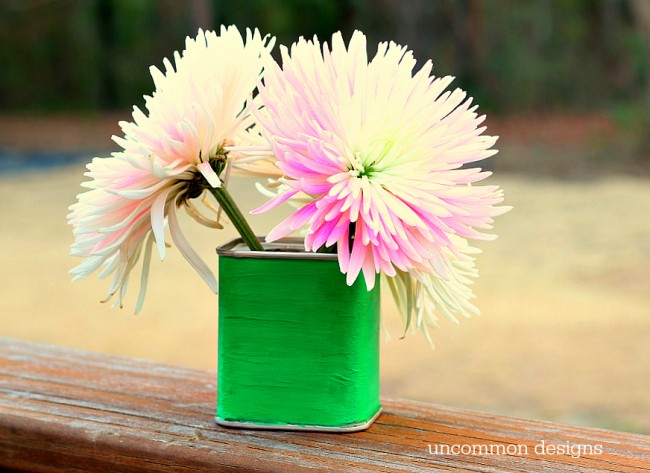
(67, 410)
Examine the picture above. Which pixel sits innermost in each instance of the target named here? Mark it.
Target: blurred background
(564, 333)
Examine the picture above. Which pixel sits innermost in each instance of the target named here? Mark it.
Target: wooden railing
(66, 410)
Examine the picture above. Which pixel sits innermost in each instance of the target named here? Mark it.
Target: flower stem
(238, 220)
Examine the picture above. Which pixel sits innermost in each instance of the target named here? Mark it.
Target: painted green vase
(298, 347)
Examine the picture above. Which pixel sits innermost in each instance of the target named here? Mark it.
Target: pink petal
(274, 202)
(293, 222)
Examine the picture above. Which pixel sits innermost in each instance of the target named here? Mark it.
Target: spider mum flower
(168, 155)
(421, 297)
(381, 151)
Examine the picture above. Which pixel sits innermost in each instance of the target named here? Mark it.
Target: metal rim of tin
(301, 428)
(285, 248)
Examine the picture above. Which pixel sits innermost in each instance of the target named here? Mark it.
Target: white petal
(209, 174)
(158, 221)
(144, 279)
(188, 252)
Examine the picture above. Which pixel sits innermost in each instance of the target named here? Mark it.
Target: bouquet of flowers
(372, 153)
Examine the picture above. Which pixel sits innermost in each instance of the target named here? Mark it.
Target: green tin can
(298, 347)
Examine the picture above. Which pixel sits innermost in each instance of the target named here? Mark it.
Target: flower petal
(188, 252)
(209, 174)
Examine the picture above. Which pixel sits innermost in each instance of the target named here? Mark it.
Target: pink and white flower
(196, 112)
(380, 149)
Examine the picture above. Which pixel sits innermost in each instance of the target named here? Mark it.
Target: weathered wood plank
(66, 410)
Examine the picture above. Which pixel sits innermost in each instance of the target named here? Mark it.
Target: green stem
(236, 217)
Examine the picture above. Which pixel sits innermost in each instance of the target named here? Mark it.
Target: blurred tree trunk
(412, 23)
(105, 24)
(468, 19)
(475, 33)
(202, 14)
(641, 11)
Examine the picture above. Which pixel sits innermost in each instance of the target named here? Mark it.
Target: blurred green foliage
(511, 55)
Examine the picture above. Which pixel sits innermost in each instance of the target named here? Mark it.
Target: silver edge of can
(300, 428)
(285, 248)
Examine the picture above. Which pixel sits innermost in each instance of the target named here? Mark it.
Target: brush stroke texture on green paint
(296, 344)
